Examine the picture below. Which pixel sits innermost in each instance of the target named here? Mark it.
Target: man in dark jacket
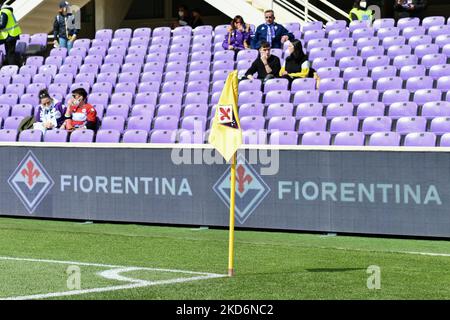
(267, 66)
(273, 33)
(409, 8)
(9, 33)
(64, 29)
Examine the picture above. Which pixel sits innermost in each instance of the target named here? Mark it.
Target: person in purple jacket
(50, 114)
(239, 35)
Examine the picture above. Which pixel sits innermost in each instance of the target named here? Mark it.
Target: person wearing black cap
(64, 29)
(9, 33)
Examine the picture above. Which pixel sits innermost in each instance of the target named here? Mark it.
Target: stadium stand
(386, 85)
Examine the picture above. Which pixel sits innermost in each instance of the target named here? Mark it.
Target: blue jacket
(261, 35)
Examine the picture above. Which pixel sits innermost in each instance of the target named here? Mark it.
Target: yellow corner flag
(226, 137)
(226, 133)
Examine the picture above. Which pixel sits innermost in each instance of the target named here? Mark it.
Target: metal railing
(307, 12)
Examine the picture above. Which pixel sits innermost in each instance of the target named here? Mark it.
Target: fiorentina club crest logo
(250, 189)
(30, 182)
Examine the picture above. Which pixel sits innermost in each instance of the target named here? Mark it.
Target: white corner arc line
(112, 274)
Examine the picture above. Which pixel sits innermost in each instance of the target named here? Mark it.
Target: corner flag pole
(232, 205)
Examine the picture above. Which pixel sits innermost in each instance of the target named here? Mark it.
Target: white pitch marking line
(112, 274)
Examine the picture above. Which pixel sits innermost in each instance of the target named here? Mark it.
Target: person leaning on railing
(297, 65)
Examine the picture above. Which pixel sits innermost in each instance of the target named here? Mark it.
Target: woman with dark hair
(297, 65)
(239, 35)
(197, 20)
(50, 114)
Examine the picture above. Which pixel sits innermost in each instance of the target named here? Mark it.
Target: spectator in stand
(297, 65)
(184, 17)
(409, 8)
(360, 12)
(267, 66)
(9, 33)
(239, 35)
(50, 113)
(273, 33)
(64, 29)
(79, 113)
(196, 19)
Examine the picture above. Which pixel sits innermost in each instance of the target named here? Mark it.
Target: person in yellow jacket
(297, 65)
(360, 12)
(9, 33)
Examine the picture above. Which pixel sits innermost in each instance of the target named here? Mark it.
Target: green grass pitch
(146, 262)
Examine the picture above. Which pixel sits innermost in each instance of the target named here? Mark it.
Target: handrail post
(306, 10)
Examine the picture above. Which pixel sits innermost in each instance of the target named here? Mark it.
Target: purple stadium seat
(196, 123)
(198, 85)
(51, 60)
(442, 40)
(383, 23)
(82, 136)
(328, 72)
(376, 124)
(113, 123)
(331, 84)
(100, 43)
(89, 68)
(35, 61)
(8, 135)
(319, 53)
(407, 72)
(175, 66)
(199, 65)
(101, 51)
(367, 42)
(80, 51)
(362, 33)
(388, 32)
(341, 43)
(403, 109)
(56, 135)
(252, 122)
(398, 50)
(254, 136)
(443, 83)
(169, 110)
(114, 58)
(16, 88)
(22, 110)
(436, 109)
(283, 138)
(430, 60)
(36, 87)
(125, 87)
(118, 110)
(347, 62)
(135, 58)
(26, 70)
(104, 34)
(335, 25)
(146, 110)
(422, 96)
(313, 34)
(201, 56)
(440, 125)
(308, 124)
(409, 32)
(142, 32)
(314, 109)
(251, 109)
(415, 41)
(408, 22)
(123, 33)
(44, 78)
(146, 98)
(149, 86)
(135, 136)
(250, 97)
(323, 62)
(277, 96)
(370, 51)
(69, 68)
(12, 122)
(105, 87)
(407, 125)
(108, 136)
(316, 138)
(202, 30)
(196, 97)
(420, 139)
(344, 109)
(445, 140)
(176, 75)
(280, 109)
(303, 84)
(10, 99)
(58, 52)
(219, 75)
(344, 123)
(276, 84)
(440, 70)
(382, 72)
(195, 109)
(395, 95)
(331, 96)
(446, 50)
(384, 139)
(29, 98)
(306, 96)
(342, 52)
(376, 61)
(30, 136)
(165, 123)
(435, 31)
(9, 70)
(417, 83)
(363, 83)
(388, 83)
(170, 97)
(349, 138)
(370, 109)
(355, 72)
(426, 49)
(5, 111)
(163, 136)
